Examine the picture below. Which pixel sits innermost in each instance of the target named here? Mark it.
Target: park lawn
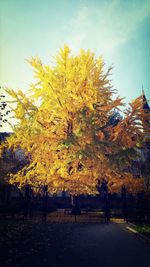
(143, 229)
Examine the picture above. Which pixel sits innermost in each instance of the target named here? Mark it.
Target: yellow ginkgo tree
(65, 127)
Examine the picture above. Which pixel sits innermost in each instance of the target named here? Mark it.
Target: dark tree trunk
(103, 189)
(124, 202)
(45, 202)
(141, 213)
(26, 204)
(75, 205)
(107, 207)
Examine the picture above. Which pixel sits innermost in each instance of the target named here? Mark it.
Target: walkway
(48, 244)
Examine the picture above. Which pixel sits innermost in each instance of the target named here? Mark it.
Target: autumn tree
(4, 111)
(145, 162)
(4, 116)
(65, 127)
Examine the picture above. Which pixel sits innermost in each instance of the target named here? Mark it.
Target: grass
(143, 229)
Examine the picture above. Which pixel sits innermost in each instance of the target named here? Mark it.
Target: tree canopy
(68, 128)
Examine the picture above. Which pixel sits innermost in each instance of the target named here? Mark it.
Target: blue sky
(119, 30)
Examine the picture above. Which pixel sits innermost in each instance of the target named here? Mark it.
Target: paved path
(33, 243)
(109, 245)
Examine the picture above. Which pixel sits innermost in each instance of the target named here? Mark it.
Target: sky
(117, 30)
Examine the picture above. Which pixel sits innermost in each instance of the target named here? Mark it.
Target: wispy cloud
(105, 26)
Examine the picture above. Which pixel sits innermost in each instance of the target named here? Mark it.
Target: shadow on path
(33, 243)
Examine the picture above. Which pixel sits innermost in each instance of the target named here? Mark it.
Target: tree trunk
(45, 202)
(124, 203)
(26, 202)
(75, 205)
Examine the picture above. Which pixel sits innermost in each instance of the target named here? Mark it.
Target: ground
(143, 228)
(70, 244)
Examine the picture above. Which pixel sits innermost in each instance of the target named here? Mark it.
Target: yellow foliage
(63, 125)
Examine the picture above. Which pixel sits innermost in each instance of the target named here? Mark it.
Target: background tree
(4, 110)
(5, 167)
(64, 127)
